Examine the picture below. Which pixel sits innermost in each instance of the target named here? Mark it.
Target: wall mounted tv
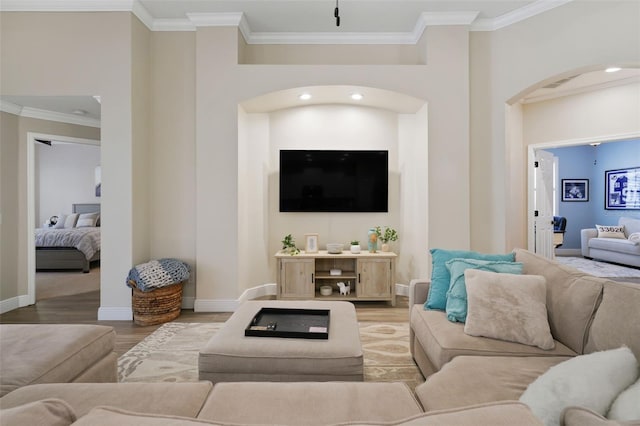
(334, 181)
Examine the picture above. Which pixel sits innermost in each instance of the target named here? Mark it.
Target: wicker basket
(156, 306)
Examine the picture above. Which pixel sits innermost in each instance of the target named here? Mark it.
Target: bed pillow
(440, 277)
(87, 220)
(61, 220)
(611, 232)
(456, 306)
(70, 221)
(591, 381)
(508, 307)
(626, 406)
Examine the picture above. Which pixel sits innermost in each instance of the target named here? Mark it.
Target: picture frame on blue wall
(622, 189)
(575, 190)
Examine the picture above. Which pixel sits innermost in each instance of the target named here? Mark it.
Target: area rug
(170, 354)
(599, 269)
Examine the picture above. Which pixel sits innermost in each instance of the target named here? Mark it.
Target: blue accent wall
(577, 162)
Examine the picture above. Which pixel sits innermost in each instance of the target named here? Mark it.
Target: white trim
(270, 289)
(237, 19)
(558, 93)
(515, 16)
(215, 305)
(568, 252)
(30, 167)
(115, 314)
(43, 114)
(402, 290)
(9, 304)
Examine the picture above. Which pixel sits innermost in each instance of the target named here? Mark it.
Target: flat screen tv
(334, 181)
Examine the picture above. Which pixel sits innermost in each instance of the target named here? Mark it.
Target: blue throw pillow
(457, 295)
(440, 277)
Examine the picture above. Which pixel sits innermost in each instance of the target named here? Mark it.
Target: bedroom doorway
(68, 160)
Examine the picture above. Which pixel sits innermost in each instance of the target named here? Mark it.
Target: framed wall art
(622, 189)
(575, 189)
(311, 243)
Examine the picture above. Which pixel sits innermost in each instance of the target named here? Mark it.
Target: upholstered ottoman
(55, 353)
(230, 356)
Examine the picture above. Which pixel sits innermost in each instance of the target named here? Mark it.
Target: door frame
(559, 144)
(31, 202)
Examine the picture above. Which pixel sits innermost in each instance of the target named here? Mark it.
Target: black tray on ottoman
(290, 322)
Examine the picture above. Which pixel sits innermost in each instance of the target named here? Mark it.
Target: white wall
(64, 176)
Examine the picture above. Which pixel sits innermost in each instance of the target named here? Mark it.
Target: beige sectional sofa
(586, 314)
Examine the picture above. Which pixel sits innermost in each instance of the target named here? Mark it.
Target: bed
(73, 248)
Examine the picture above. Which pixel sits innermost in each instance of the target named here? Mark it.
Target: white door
(543, 177)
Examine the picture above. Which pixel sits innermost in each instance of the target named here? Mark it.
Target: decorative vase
(372, 240)
(385, 247)
(355, 248)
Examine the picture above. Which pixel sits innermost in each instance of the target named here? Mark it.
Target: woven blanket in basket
(157, 273)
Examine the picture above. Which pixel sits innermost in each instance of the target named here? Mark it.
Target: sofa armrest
(585, 236)
(418, 291)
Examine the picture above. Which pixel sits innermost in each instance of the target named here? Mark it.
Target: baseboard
(115, 314)
(9, 304)
(568, 252)
(402, 290)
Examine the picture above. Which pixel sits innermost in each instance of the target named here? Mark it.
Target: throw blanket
(157, 274)
(86, 240)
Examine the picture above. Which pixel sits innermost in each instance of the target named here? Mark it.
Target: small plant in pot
(355, 246)
(289, 245)
(387, 236)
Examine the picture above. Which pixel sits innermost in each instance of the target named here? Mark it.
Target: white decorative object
(326, 290)
(311, 243)
(335, 271)
(344, 288)
(355, 248)
(591, 381)
(334, 248)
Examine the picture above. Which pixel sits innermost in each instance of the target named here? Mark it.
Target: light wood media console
(371, 275)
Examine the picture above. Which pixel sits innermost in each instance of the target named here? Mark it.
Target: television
(334, 181)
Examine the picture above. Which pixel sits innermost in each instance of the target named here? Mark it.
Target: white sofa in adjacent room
(624, 250)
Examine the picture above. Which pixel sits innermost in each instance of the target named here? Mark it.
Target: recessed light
(357, 96)
(613, 69)
(304, 97)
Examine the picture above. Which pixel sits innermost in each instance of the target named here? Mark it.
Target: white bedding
(86, 239)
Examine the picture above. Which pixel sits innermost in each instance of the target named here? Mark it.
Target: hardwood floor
(82, 309)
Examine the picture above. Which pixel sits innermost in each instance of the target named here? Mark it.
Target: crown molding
(195, 20)
(42, 114)
(517, 15)
(559, 93)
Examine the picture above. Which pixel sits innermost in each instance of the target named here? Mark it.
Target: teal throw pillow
(440, 277)
(456, 306)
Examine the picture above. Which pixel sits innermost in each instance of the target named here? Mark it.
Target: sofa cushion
(50, 412)
(605, 231)
(180, 399)
(580, 416)
(502, 413)
(626, 406)
(442, 340)
(456, 306)
(615, 244)
(440, 277)
(592, 381)
(50, 353)
(613, 324)
(468, 380)
(308, 403)
(630, 224)
(106, 416)
(572, 298)
(508, 307)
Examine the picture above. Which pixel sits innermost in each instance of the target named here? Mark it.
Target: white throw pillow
(87, 220)
(508, 307)
(611, 232)
(70, 221)
(627, 405)
(61, 220)
(592, 381)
